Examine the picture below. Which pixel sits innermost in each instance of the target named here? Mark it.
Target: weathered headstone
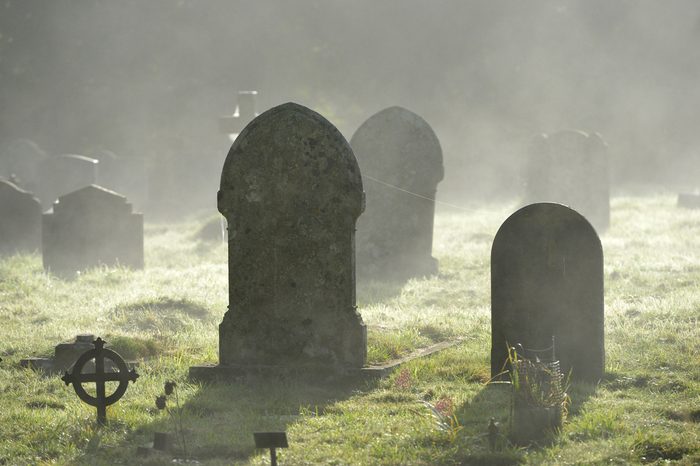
(62, 174)
(571, 168)
(291, 192)
(401, 162)
(244, 113)
(20, 220)
(19, 161)
(547, 281)
(90, 227)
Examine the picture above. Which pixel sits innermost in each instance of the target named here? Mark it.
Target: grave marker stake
(271, 440)
(99, 378)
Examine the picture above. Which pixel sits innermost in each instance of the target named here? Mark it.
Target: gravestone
(547, 281)
(291, 192)
(62, 174)
(125, 175)
(245, 111)
(401, 162)
(20, 220)
(571, 168)
(19, 161)
(91, 227)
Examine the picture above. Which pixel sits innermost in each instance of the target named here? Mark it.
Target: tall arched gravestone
(91, 227)
(291, 192)
(20, 220)
(401, 162)
(571, 168)
(547, 280)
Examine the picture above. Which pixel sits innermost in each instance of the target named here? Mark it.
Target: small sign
(271, 440)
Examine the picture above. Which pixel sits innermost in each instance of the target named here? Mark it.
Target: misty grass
(166, 316)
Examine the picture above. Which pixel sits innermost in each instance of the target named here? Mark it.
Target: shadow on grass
(220, 418)
(494, 401)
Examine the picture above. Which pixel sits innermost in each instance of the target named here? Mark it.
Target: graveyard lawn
(646, 409)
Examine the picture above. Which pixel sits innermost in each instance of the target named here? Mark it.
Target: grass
(646, 410)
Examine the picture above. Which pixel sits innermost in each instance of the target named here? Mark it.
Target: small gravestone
(401, 162)
(20, 220)
(91, 227)
(547, 281)
(20, 161)
(689, 200)
(245, 111)
(571, 168)
(291, 192)
(65, 355)
(62, 174)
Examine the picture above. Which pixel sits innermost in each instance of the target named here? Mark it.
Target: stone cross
(547, 281)
(90, 227)
(571, 168)
(401, 162)
(20, 220)
(291, 192)
(99, 378)
(245, 111)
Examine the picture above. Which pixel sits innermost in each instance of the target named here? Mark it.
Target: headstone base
(231, 373)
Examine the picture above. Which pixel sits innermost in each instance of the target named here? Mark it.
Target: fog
(150, 78)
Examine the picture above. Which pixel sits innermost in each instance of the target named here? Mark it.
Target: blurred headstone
(62, 174)
(571, 168)
(244, 113)
(20, 220)
(401, 162)
(19, 162)
(291, 192)
(125, 175)
(689, 200)
(547, 281)
(90, 227)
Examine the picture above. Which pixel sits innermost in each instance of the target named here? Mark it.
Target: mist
(149, 79)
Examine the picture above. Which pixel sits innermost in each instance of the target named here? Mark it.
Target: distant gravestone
(62, 174)
(20, 220)
(547, 281)
(245, 111)
(401, 162)
(571, 168)
(125, 175)
(291, 192)
(90, 227)
(20, 160)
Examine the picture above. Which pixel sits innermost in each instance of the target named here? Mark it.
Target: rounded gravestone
(20, 220)
(291, 192)
(547, 281)
(401, 162)
(571, 168)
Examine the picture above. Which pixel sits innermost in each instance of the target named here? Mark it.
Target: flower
(160, 402)
(445, 406)
(169, 387)
(403, 380)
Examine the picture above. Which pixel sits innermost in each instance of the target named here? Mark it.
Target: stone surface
(90, 227)
(291, 192)
(571, 168)
(20, 220)
(547, 280)
(63, 174)
(396, 147)
(19, 162)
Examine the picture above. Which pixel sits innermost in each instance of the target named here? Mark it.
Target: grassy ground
(646, 409)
